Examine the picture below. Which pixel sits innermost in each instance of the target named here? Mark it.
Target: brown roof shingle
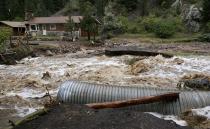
(60, 19)
(14, 24)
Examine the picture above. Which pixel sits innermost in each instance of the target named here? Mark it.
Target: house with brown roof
(51, 25)
(18, 28)
(54, 25)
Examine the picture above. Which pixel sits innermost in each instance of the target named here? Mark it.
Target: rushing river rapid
(23, 86)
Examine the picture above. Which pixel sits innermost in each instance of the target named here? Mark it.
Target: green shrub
(133, 29)
(204, 37)
(207, 27)
(5, 33)
(130, 26)
(149, 23)
(112, 26)
(109, 35)
(21, 52)
(178, 23)
(124, 22)
(164, 29)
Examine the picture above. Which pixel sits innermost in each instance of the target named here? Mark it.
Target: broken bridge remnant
(118, 51)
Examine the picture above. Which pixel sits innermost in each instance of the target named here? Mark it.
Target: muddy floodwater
(23, 86)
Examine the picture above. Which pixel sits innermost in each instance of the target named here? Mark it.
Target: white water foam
(205, 112)
(24, 111)
(30, 93)
(175, 119)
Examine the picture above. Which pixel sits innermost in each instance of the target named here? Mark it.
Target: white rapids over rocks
(25, 79)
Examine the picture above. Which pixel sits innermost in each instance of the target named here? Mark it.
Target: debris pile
(69, 48)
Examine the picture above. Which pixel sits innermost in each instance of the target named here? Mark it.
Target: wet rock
(178, 61)
(33, 55)
(71, 65)
(196, 81)
(49, 53)
(67, 74)
(192, 17)
(46, 76)
(7, 59)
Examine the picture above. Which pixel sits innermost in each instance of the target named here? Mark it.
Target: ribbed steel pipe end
(76, 92)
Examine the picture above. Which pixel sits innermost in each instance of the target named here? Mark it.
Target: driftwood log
(132, 102)
(133, 51)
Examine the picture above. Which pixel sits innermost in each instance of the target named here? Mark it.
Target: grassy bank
(151, 38)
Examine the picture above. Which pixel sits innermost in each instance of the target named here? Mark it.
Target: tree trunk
(132, 102)
(89, 35)
(94, 36)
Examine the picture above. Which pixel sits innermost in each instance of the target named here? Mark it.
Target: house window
(52, 27)
(33, 27)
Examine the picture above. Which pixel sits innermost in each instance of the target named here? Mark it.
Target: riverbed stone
(196, 81)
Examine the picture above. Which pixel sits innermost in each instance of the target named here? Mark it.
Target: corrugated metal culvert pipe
(76, 92)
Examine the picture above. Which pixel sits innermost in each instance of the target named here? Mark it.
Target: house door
(44, 30)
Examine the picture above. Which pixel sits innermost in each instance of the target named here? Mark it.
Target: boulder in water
(49, 53)
(46, 76)
(196, 81)
(178, 61)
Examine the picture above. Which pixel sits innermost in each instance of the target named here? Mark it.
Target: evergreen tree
(88, 22)
(3, 10)
(100, 6)
(130, 5)
(143, 5)
(39, 9)
(206, 11)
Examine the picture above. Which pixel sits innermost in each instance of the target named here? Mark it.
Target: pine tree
(100, 6)
(88, 22)
(206, 11)
(3, 10)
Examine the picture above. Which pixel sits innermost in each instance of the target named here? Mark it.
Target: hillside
(14, 9)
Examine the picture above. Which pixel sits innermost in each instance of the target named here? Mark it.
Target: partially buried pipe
(76, 92)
